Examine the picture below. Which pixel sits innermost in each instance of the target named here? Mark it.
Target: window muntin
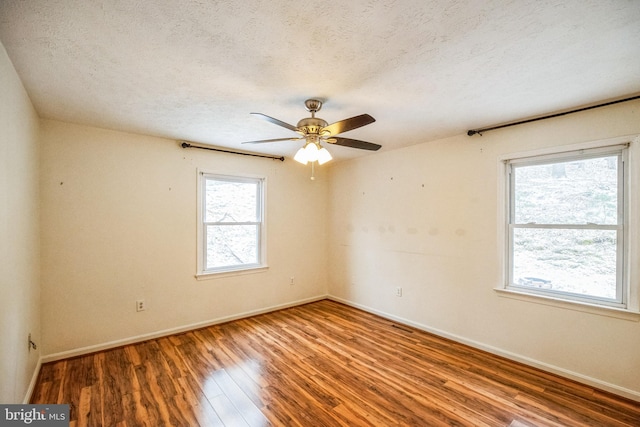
(232, 223)
(566, 226)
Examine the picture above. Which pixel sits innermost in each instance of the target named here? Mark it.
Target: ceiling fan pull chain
(313, 171)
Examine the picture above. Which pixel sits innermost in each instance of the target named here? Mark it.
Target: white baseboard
(32, 383)
(584, 379)
(158, 334)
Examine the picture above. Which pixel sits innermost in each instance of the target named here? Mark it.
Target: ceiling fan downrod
(311, 126)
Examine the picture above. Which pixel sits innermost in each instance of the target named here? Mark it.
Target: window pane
(572, 192)
(579, 261)
(231, 201)
(231, 245)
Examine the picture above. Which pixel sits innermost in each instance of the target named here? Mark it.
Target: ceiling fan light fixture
(301, 156)
(324, 156)
(311, 150)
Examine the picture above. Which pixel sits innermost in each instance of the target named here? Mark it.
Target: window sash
(205, 226)
(254, 250)
(620, 228)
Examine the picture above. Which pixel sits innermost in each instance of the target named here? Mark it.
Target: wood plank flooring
(320, 364)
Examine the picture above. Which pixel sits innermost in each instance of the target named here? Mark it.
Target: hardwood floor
(321, 364)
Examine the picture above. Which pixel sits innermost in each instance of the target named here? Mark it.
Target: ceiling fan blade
(354, 143)
(276, 121)
(260, 141)
(348, 124)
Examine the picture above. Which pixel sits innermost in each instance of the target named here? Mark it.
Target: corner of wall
(19, 230)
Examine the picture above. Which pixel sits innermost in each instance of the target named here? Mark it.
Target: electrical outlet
(292, 281)
(140, 305)
(398, 291)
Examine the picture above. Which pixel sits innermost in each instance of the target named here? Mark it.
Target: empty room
(366, 213)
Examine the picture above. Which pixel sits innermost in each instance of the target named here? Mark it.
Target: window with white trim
(567, 225)
(231, 223)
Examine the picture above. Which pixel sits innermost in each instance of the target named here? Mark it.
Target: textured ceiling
(424, 69)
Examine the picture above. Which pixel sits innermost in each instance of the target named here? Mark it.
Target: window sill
(228, 273)
(619, 313)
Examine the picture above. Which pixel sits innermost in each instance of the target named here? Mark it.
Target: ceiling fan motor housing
(311, 126)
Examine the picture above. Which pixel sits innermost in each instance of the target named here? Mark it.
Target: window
(567, 225)
(231, 225)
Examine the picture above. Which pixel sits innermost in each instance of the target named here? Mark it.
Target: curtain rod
(187, 145)
(550, 116)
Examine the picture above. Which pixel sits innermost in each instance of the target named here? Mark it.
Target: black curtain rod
(550, 116)
(187, 145)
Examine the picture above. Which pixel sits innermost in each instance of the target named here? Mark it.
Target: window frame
(631, 248)
(260, 265)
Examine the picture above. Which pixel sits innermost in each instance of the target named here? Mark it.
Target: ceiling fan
(314, 131)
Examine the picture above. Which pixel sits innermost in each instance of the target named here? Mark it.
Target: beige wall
(426, 218)
(119, 224)
(19, 262)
